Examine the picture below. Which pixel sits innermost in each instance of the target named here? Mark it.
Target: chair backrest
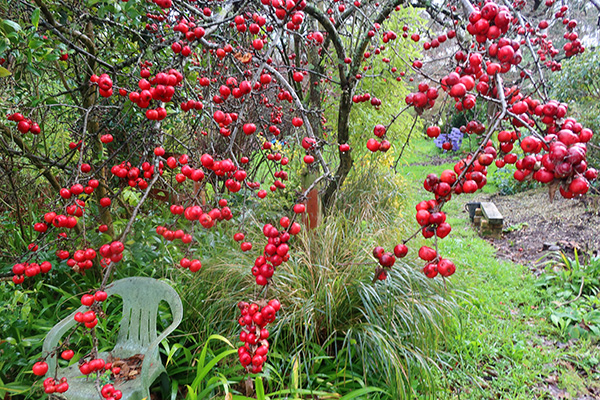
(141, 297)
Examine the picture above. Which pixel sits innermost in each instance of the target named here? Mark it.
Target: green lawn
(500, 342)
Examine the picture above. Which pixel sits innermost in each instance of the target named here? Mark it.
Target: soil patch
(533, 225)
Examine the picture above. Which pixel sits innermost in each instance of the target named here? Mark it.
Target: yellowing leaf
(4, 72)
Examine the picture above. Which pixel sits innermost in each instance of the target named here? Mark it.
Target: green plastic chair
(137, 335)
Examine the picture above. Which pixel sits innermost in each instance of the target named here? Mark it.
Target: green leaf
(14, 388)
(35, 17)
(35, 43)
(52, 56)
(260, 389)
(174, 389)
(301, 392)
(212, 384)
(360, 392)
(204, 371)
(4, 72)
(191, 393)
(14, 27)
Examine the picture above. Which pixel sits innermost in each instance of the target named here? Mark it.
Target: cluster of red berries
(195, 212)
(507, 140)
(374, 145)
(170, 235)
(361, 98)
(309, 144)
(94, 365)
(458, 87)
(473, 127)
(276, 250)
(424, 98)
(135, 176)
(224, 168)
(82, 259)
(105, 84)
(191, 105)
(387, 260)
(574, 45)
(474, 178)
(277, 183)
(89, 299)
(435, 264)
(224, 120)
(436, 42)
(24, 125)
(109, 392)
(490, 22)
(254, 28)
(189, 30)
(88, 318)
(30, 270)
(230, 88)
(441, 186)
(51, 386)
(163, 3)
(160, 88)
(432, 220)
(57, 220)
(254, 319)
(112, 251)
(192, 265)
(78, 189)
(565, 161)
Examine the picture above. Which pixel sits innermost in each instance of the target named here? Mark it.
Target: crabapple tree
(194, 98)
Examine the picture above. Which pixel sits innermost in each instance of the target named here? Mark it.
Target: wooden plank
(491, 213)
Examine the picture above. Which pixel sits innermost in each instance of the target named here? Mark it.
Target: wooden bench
(489, 220)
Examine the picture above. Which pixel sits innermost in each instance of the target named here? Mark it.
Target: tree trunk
(345, 158)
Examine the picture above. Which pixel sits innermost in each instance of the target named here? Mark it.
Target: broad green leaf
(12, 25)
(191, 393)
(260, 389)
(35, 17)
(13, 388)
(35, 43)
(4, 72)
(174, 389)
(295, 374)
(52, 56)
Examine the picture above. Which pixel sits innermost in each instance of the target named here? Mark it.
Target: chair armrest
(54, 336)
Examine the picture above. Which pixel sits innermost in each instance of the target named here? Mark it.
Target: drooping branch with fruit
(208, 103)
